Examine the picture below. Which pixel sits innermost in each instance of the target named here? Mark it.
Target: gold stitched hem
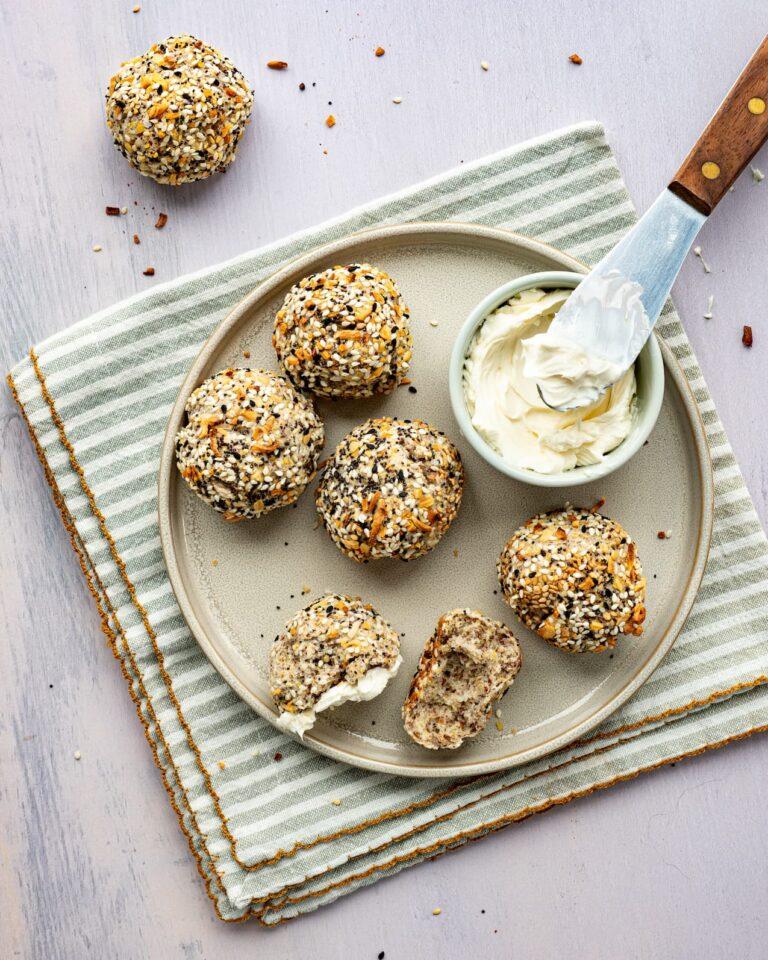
(301, 845)
(101, 598)
(475, 833)
(120, 563)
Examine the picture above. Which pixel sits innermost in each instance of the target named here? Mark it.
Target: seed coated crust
(250, 444)
(574, 577)
(334, 640)
(467, 665)
(178, 111)
(391, 489)
(344, 333)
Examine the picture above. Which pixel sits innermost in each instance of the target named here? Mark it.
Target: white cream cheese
(504, 404)
(610, 306)
(369, 686)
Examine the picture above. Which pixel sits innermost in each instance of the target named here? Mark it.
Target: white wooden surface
(92, 863)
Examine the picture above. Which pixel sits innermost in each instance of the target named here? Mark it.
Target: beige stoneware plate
(237, 584)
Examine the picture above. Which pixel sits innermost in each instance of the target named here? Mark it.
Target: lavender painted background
(92, 863)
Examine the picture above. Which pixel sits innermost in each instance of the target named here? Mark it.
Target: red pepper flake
(112, 211)
(746, 337)
(149, 272)
(661, 535)
(379, 51)
(162, 219)
(575, 58)
(136, 239)
(330, 120)
(278, 756)
(599, 505)
(277, 64)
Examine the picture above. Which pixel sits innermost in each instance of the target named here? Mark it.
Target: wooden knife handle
(733, 136)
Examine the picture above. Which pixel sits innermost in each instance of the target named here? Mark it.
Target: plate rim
(166, 475)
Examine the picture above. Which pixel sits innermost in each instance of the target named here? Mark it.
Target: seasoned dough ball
(250, 444)
(391, 489)
(178, 111)
(573, 576)
(467, 665)
(344, 333)
(335, 650)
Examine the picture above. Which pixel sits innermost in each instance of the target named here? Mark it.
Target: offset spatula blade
(650, 255)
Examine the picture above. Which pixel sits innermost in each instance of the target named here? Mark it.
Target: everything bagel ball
(250, 444)
(344, 333)
(391, 489)
(573, 576)
(178, 111)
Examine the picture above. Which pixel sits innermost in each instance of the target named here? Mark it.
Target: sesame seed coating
(391, 489)
(344, 333)
(178, 111)
(250, 444)
(467, 665)
(336, 639)
(574, 577)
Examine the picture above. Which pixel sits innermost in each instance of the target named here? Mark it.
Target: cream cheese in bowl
(504, 359)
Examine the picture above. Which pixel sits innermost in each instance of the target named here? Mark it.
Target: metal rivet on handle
(756, 105)
(710, 170)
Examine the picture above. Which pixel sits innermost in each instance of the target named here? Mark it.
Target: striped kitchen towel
(267, 840)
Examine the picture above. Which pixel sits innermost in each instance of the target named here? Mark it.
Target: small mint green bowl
(649, 371)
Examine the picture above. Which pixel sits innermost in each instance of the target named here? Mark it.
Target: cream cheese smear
(508, 355)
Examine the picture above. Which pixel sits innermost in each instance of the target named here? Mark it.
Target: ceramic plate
(267, 569)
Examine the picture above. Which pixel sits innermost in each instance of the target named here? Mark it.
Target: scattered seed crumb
(746, 336)
(455, 551)
(336, 802)
(498, 712)
(247, 354)
(136, 239)
(214, 563)
(302, 86)
(149, 272)
(412, 389)
(575, 58)
(484, 64)
(325, 153)
(162, 219)
(278, 757)
(305, 590)
(499, 726)
(78, 755)
(757, 174)
(381, 955)
(662, 534)
(222, 765)
(397, 99)
(710, 304)
(330, 120)
(599, 504)
(668, 534)
(135, 9)
(433, 323)
(436, 912)
(277, 64)
(112, 211)
(379, 52)
(97, 248)
(123, 210)
(707, 268)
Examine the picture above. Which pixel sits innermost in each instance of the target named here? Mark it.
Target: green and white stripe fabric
(267, 839)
